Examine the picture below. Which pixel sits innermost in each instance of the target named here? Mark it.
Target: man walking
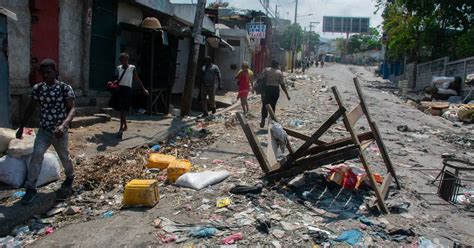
(210, 76)
(57, 106)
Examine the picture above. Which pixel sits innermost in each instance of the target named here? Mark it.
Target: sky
(318, 9)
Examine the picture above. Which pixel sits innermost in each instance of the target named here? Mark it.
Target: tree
(292, 35)
(312, 39)
(365, 42)
(425, 29)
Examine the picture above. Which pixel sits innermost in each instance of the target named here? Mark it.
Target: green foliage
(465, 44)
(292, 35)
(365, 42)
(312, 39)
(425, 29)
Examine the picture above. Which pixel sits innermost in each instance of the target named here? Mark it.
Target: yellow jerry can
(160, 161)
(141, 193)
(178, 168)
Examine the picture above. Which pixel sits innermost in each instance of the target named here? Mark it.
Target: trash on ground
(177, 168)
(201, 180)
(203, 232)
(141, 193)
(351, 237)
(223, 202)
(160, 161)
(232, 239)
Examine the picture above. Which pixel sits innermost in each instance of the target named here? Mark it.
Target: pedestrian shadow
(104, 140)
(13, 214)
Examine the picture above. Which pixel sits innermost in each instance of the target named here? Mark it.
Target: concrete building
(230, 60)
(85, 38)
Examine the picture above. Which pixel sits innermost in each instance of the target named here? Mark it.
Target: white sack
(21, 147)
(201, 180)
(12, 171)
(442, 82)
(6, 135)
(49, 169)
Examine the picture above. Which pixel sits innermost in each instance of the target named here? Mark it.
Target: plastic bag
(200, 180)
(49, 169)
(6, 135)
(18, 148)
(12, 171)
(442, 82)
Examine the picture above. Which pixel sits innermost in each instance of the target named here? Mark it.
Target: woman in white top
(122, 99)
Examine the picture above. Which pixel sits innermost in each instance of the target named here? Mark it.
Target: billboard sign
(337, 24)
(257, 30)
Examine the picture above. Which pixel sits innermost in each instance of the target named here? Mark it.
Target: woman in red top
(244, 78)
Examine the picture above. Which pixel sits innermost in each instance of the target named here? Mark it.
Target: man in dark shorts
(211, 75)
(57, 106)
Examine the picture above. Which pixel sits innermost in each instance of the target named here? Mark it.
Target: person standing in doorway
(211, 75)
(57, 106)
(273, 78)
(244, 78)
(121, 100)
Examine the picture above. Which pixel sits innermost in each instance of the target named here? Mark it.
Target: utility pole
(187, 97)
(276, 10)
(296, 10)
(293, 50)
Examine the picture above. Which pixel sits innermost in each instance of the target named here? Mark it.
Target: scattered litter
(18, 194)
(167, 238)
(351, 237)
(49, 230)
(203, 232)
(108, 214)
(263, 225)
(232, 238)
(201, 180)
(243, 189)
(223, 202)
(156, 147)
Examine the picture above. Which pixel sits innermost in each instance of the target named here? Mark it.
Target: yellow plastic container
(178, 168)
(158, 160)
(141, 193)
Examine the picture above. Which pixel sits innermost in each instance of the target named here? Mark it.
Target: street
(416, 155)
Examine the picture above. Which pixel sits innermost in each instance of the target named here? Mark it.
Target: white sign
(257, 30)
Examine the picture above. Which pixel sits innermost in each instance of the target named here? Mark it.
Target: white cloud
(318, 9)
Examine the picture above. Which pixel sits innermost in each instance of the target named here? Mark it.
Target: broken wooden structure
(315, 153)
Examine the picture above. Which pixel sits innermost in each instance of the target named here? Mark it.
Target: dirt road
(417, 156)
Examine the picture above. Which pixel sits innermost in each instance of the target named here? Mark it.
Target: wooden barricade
(315, 153)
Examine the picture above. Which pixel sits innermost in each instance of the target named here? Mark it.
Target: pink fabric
(244, 84)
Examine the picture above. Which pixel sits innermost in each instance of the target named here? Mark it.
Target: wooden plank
(386, 184)
(301, 136)
(326, 125)
(273, 116)
(354, 115)
(254, 144)
(384, 153)
(365, 144)
(313, 162)
(363, 160)
(362, 100)
(374, 128)
(338, 143)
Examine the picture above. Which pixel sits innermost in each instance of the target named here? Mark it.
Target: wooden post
(363, 160)
(193, 59)
(254, 144)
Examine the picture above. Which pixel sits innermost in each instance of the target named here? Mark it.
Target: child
(244, 78)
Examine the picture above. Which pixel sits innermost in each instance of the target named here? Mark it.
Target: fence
(441, 67)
